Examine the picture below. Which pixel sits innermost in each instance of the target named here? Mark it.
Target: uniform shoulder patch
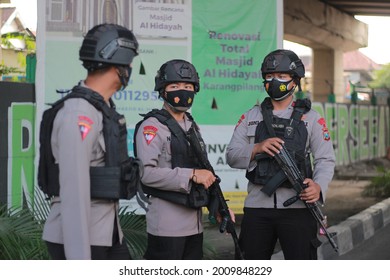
(325, 130)
(149, 133)
(85, 126)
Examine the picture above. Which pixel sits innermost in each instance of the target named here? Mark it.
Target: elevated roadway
(330, 29)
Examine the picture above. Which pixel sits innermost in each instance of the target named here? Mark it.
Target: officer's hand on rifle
(312, 193)
(203, 177)
(271, 146)
(231, 213)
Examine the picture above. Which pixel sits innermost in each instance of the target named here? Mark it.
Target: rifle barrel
(295, 177)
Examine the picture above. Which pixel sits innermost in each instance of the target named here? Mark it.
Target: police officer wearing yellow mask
(252, 147)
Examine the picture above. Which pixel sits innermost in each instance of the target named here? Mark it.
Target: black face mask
(278, 90)
(180, 100)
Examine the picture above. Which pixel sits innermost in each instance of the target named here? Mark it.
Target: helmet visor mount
(185, 72)
(112, 47)
(272, 63)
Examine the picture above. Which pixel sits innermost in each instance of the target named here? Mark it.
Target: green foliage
(30, 48)
(5, 70)
(380, 185)
(20, 235)
(381, 78)
(21, 231)
(134, 230)
(28, 40)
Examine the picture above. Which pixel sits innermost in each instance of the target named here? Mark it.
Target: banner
(226, 43)
(229, 44)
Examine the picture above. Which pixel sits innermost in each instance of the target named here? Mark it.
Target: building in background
(358, 72)
(14, 47)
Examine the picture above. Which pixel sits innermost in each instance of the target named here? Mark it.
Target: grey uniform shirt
(76, 220)
(165, 218)
(240, 148)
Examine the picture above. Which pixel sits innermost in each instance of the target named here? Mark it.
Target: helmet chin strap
(174, 109)
(299, 85)
(124, 76)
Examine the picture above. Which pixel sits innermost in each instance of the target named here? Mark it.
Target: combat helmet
(284, 61)
(108, 44)
(176, 70)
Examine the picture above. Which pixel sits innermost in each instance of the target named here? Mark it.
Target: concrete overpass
(330, 29)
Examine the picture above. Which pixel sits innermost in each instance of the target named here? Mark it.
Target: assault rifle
(290, 168)
(227, 223)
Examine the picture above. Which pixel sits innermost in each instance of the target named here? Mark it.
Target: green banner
(229, 42)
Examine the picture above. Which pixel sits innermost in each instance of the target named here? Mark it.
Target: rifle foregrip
(213, 207)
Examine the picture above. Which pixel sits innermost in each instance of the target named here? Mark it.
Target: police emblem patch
(326, 134)
(149, 133)
(289, 130)
(85, 126)
(325, 131)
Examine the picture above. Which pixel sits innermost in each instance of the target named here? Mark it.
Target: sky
(28, 12)
(377, 49)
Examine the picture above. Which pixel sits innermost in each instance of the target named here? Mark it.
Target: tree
(5, 70)
(381, 78)
(29, 40)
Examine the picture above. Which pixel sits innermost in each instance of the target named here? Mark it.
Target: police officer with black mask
(88, 145)
(172, 175)
(252, 147)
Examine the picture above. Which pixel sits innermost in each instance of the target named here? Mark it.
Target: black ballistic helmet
(284, 61)
(108, 44)
(174, 71)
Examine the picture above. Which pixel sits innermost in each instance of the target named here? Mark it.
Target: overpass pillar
(327, 74)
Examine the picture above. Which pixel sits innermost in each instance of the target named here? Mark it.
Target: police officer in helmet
(282, 71)
(258, 136)
(172, 176)
(83, 221)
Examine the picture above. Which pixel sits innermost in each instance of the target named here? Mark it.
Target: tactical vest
(182, 155)
(119, 178)
(294, 133)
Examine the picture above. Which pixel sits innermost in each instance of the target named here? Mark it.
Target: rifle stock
(226, 224)
(295, 177)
